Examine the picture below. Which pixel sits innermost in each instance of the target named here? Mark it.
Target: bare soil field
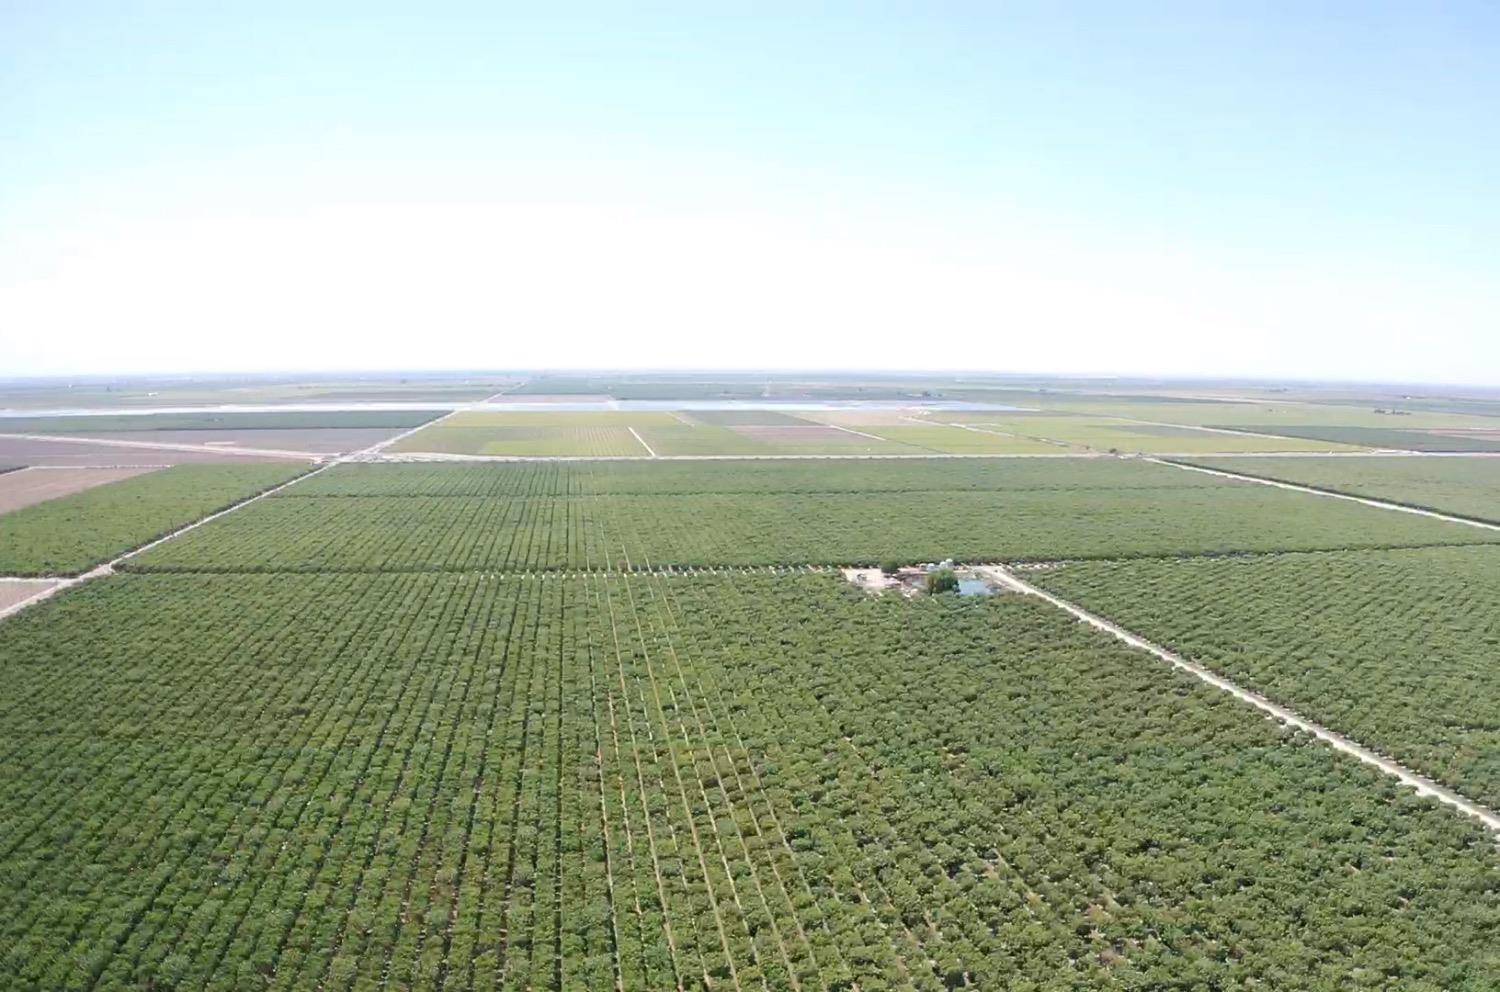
(319, 440)
(37, 485)
(13, 591)
(25, 451)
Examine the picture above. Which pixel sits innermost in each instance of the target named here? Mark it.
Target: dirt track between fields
(15, 592)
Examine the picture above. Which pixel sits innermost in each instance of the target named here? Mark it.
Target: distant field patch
(820, 439)
(859, 418)
(37, 485)
(525, 442)
(559, 418)
(1382, 437)
(798, 434)
(753, 418)
(1102, 434)
(699, 439)
(744, 476)
(216, 421)
(318, 440)
(25, 451)
(959, 441)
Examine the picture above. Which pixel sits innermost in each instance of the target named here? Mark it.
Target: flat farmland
(823, 439)
(560, 418)
(1394, 648)
(70, 534)
(81, 453)
(215, 420)
(1466, 487)
(525, 442)
(949, 439)
(705, 528)
(523, 434)
(1104, 434)
(318, 440)
(1392, 437)
(831, 476)
(646, 783)
(699, 439)
(25, 487)
(734, 418)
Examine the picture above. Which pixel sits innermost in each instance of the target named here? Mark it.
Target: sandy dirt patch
(13, 591)
(319, 440)
(37, 485)
(25, 451)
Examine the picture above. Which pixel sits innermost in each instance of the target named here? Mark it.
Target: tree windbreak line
(1397, 649)
(71, 534)
(647, 783)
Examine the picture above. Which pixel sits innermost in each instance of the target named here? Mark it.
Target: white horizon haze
(1092, 192)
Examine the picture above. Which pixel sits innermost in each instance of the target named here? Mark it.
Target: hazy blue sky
(1252, 188)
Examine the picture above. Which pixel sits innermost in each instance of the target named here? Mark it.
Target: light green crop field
(959, 441)
(1263, 413)
(735, 418)
(700, 439)
(823, 439)
(1103, 434)
(524, 442)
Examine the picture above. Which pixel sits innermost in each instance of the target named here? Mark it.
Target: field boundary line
(1423, 785)
(649, 450)
(850, 430)
(1331, 494)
